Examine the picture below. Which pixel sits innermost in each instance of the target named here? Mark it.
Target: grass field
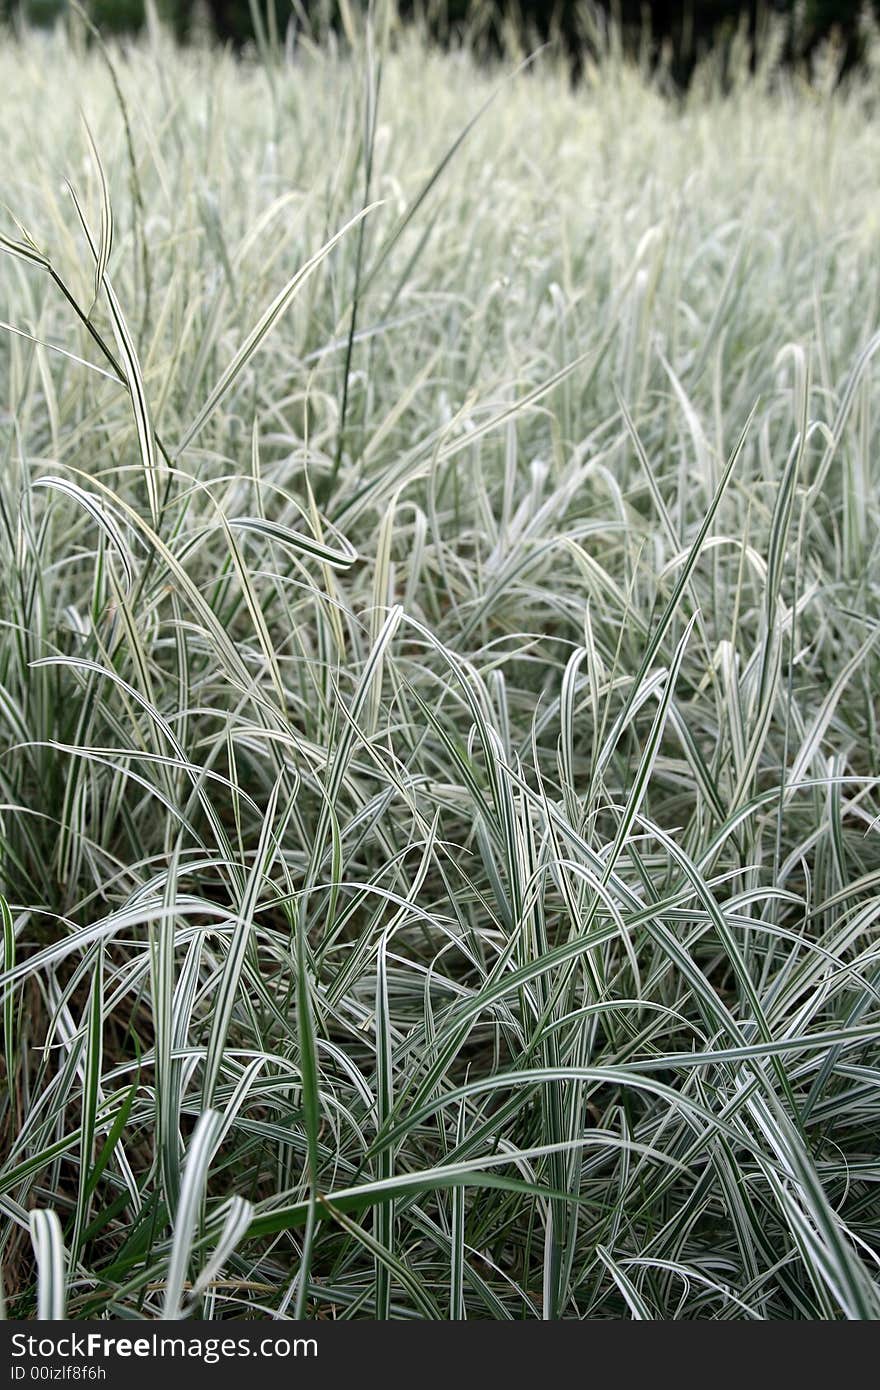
(439, 742)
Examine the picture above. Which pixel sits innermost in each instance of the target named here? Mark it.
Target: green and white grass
(439, 741)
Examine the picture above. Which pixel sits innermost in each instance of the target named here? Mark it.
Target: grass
(438, 730)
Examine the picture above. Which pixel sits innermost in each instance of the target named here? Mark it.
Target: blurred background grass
(677, 30)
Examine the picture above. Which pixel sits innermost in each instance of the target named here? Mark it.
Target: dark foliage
(683, 28)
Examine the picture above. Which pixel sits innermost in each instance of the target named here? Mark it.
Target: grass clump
(438, 733)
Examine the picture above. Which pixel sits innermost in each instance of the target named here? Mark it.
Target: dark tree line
(684, 27)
